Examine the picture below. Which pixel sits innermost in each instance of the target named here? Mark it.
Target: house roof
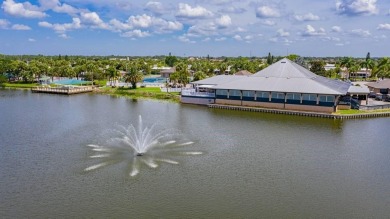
(380, 84)
(285, 76)
(358, 90)
(219, 79)
(168, 71)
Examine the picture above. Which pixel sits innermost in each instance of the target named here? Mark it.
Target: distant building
(165, 73)
(283, 85)
(329, 66)
(382, 86)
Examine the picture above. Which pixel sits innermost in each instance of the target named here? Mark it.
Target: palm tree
(90, 68)
(383, 68)
(112, 74)
(368, 64)
(133, 76)
(347, 62)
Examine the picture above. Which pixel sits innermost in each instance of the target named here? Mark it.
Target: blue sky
(196, 28)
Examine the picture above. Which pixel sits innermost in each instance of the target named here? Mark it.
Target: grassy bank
(354, 111)
(140, 93)
(19, 85)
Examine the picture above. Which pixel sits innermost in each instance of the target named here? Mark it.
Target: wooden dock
(301, 113)
(62, 90)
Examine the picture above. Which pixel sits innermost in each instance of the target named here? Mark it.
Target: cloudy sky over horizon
(196, 27)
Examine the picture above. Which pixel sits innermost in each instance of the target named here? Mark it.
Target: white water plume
(140, 147)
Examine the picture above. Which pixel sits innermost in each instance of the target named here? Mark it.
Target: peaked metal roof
(284, 76)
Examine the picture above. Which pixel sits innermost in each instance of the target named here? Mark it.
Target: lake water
(252, 165)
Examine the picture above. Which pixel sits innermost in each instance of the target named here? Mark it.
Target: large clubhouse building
(283, 85)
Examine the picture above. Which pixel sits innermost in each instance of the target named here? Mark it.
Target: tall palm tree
(383, 68)
(347, 62)
(368, 64)
(90, 68)
(112, 74)
(133, 76)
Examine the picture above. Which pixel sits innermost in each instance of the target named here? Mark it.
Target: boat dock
(62, 90)
(300, 113)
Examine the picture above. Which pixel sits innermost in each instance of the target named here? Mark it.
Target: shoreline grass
(140, 93)
(356, 112)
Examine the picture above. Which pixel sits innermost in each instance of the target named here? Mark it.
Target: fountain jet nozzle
(140, 154)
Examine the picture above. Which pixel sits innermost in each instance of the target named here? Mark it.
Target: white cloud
(93, 19)
(282, 33)
(311, 31)
(383, 27)
(143, 21)
(207, 39)
(56, 6)
(356, 7)
(4, 24)
(185, 39)
(119, 26)
(25, 9)
(31, 40)
(64, 36)
(187, 11)
(237, 37)
(224, 21)
(136, 33)
(62, 28)
(361, 33)
(336, 29)
(268, 22)
(203, 29)
(307, 17)
(232, 10)
(148, 22)
(220, 39)
(267, 12)
(20, 27)
(155, 7)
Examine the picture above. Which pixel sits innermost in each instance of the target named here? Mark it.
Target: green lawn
(142, 92)
(354, 111)
(19, 85)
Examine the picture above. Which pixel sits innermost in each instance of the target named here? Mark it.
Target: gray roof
(380, 84)
(219, 79)
(284, 76)
(358, 90)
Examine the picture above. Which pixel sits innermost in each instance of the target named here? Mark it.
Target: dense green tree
(270, 59)
(199, 75)
(171, 60)
(383, 69)
(347, 62)
(293, 57)
(318, 67)
(113, 74)
(133, 76)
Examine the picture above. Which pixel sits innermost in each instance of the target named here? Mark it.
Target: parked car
(372, 95)
(379, 97)
(386, 97)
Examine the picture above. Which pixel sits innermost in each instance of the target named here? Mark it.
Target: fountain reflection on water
(137, 146)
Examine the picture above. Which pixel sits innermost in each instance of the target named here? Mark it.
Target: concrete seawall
(300, 113)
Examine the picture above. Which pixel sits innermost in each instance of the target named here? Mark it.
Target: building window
(222, 92)
(293, 96)
(309, 97)
(235, 93)
(263, 95)
(326, 98)
(277, 95)
(248, 93)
